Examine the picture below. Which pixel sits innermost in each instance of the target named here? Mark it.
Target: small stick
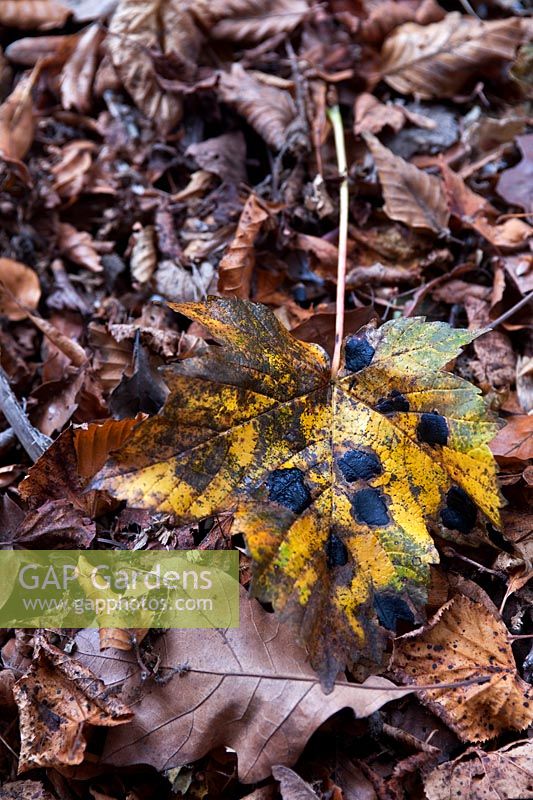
(335, 118)
(523, 302)
(33, 441)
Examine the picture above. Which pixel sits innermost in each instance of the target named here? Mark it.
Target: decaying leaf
(371, 115)
(78, 73)
(437, 60)
(478, 775)
(237, 263)
(516, 184)
(79, 247)
(223, 696)
(27, 14)
(56, 698)
(291, 786)
(411, 195)
(465, 640)
(17, 122)
(17, 283)
(269, 110)
(25, 790)
(139, 32)
(354, 469)
(143, 259)
(57, 524)
(250, 20)
(120, 638)
(515, 440)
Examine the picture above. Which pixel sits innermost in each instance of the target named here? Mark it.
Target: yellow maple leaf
(345, 474)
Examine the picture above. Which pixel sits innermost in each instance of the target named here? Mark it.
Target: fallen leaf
(385, 15)
(57, 698)
(353, 468)
(144, 391)
(236, 265)
(143, 259)
(270, 111)
(28, 14)
(223, 696)
(18, 285)
(495, 366)
(17, 121)
(178, 284)
(77, 77)
(55, 525)
(71, 171)
(93, 443)
(515, 440)
(55, 49)
(320, 328)
(371, 115)
(437, 60)
(475, 212)
(25, 790)
(478, 775)
(79, 247)
(223, 156)
(411, 195)
(465, 640)
(112, 359)
(291, 786)
(140, 31)
(251, 20)
(515, 185)
(120, 639)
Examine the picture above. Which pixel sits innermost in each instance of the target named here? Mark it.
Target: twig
(33, 441)
(523, 302)
(335, 118)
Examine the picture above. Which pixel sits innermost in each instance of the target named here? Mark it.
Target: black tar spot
(287, 487)
(358, 353)
(390, 609)
(460, 513)
(357, 464)
(432, 429)
(369, 506)
(336, 552)
(395, 401)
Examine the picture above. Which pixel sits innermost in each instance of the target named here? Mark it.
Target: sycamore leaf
(345, 475)
(462, 641)
(248, 688)
(437, 60)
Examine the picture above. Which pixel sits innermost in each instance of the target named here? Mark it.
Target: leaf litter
(166, 152)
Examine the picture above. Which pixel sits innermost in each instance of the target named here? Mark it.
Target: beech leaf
(237, 263)
(223, 696)
(17, 283)
(464, 640)
(343, 475)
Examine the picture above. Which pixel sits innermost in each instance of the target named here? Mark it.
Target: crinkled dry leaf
(478, 775)
(437, 60)
(411, 195)
(17, 283)
(226, 699)
(224, 156)
(55, 525)
(28, 14)
(269, 110)
(56, 698)
(475, 212)
(291, 786)
(77, 77)
(237, 263)
(25, 790)
(143, 260)
(139, 32)
(79, 247)
(71, 172)
(371, 115)
(516, 184)
(93, 443)
(17, 122)
(120, 638)
(250, 20)
(385, 15)
(515, 440)
(465, 640)
(112, 359)
(354, 468)
(55, 49)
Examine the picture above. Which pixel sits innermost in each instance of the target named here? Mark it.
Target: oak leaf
(478, 775)
(411, 195)
(345, 474)
(223, 696)
(437, 60)
(465, 640)
(56, 698)
(237, 263)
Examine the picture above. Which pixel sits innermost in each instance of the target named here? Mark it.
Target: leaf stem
(334, 114)
(523, 302)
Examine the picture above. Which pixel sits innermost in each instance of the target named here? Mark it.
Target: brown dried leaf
(437, 60)
(55, 49)
(55, 525)
(223, 156)
(411, 195)
(93, 443)
(226, 698)
(77, 77)
(385, 15)
(237, 263)
(291, 786)
(477, 775)
(250, 20)
(143, 260)
(515, 440)
(79, 247)
(28, 14)
(142, 30)
(475, 212)
(17, 121)
(120, 638)
(71, 172)
(113, 358)
(25, 790)
(462, 641)
(65, 344)
(371, 115)
(178, 285)
(516, 184)
(56, 698)
(17, 282)
(269, 110)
